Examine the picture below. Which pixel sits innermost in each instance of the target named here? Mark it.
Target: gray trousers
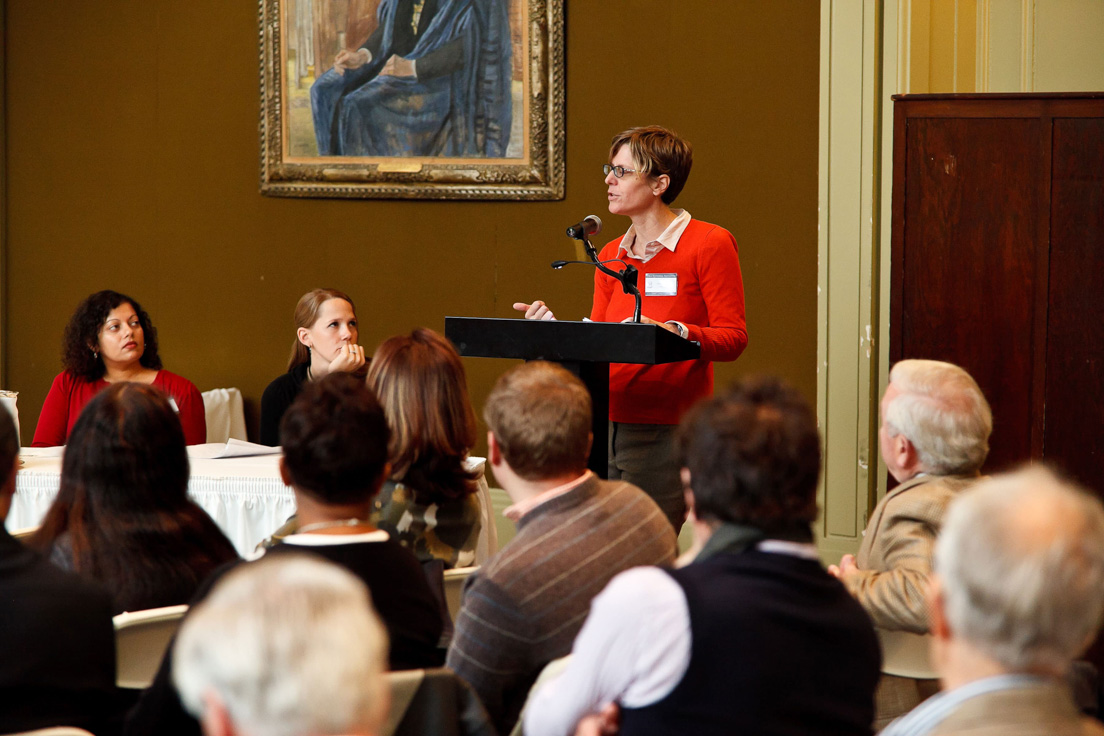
(645, 455)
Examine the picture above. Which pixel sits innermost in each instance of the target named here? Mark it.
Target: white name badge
(661, 284)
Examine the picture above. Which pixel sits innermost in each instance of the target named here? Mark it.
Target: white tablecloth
(244, 495)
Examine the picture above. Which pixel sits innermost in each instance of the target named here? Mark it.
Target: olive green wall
(132, 164)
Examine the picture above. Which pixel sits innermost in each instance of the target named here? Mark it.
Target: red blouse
(69, 394)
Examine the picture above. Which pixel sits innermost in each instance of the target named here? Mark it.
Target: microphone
(590, 225)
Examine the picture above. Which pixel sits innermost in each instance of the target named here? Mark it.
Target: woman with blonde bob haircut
(326, 337)
(428, 503)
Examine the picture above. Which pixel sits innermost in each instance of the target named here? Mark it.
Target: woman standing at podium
(690, 284)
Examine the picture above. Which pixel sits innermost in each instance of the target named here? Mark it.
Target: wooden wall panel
(969, 266)
(1074, 428)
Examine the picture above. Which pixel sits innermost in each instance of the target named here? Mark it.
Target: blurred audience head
(307, 312)
(940, 411)
(123, 495)
(540, 417)
(287, 646)
(125, 459)
(1020, 571)
(80, 351)
(419, 380)
(753, 456)
(335, 438)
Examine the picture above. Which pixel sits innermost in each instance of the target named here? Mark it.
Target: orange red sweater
(709, 301)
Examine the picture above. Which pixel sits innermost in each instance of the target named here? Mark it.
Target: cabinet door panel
(969, 273)
(1074, 429)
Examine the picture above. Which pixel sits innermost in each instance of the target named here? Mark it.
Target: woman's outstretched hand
(536, 310)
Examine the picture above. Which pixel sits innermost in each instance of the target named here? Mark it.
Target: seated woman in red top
(122, 515)
(110, 339)
(690, 281)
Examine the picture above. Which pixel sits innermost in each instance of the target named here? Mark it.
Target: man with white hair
(1017, 594)
(288, 646)
(934, 439)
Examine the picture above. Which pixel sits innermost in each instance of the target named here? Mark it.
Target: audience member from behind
(285, 647)
(335, 459)
(1017, 594)
(753, 636)
(574, 532)
(55, 630)
(934, 439)
(110, 339)
(122, 514)
(428, 503)
(325, 342)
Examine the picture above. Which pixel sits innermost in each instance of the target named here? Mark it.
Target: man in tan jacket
(1017, 593)
(934, 439)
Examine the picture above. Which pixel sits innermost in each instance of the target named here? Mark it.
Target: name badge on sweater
(661, 284)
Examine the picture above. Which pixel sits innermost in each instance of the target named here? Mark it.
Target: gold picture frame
(392, 134)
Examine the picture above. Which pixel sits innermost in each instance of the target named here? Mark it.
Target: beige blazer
(1043, 710)
(895, 558)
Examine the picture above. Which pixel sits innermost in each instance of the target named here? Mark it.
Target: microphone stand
(627, 276)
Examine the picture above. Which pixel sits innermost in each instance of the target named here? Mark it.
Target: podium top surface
(558, 340)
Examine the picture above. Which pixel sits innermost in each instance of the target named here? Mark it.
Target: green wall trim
(851, 309)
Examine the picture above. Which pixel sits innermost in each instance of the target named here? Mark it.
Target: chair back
(434, 703)
(504, 528)
(24, 532)
(454, 587)
(10, 400)
(905, 654)
(141, 638)
(225, 412)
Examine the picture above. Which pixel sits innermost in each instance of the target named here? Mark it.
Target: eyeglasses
(618, 171)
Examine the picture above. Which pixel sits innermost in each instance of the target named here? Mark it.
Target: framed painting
(412, 99)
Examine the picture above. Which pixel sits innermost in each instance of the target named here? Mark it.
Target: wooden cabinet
(998, 263)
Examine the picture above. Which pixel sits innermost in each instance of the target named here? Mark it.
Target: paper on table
(231, 448)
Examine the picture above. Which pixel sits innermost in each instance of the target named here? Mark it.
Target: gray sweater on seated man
(575, 532)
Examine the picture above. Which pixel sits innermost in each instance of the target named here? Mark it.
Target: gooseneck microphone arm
(627, 276)
(592, 225)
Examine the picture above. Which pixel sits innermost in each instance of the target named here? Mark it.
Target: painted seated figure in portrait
(433, 79)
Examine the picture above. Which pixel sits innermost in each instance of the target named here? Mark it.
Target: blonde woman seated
(429, 503)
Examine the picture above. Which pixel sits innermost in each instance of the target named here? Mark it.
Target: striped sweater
(524, 608)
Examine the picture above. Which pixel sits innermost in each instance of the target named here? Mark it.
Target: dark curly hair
(335, 439)
(83, 332)
(754, 456)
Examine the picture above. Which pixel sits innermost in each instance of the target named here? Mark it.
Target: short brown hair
(540, 416)
(754, 456)
(419, 380)
(306, 314)
(656, 150)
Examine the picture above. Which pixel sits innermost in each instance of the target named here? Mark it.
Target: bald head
(1021, 565)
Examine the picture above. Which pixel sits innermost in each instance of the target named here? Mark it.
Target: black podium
(584, 348)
